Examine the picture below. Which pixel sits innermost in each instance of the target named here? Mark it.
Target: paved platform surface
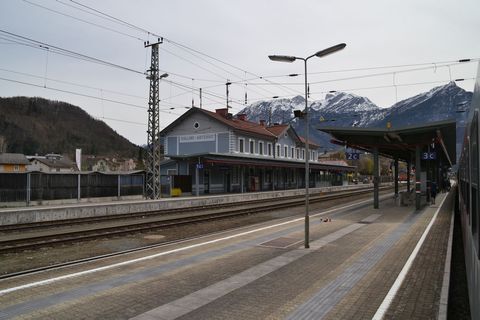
(259, 272)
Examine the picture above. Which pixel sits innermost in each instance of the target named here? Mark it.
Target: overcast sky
(418, 40)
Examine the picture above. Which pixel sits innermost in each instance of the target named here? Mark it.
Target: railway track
(30, 236)
(142, 215)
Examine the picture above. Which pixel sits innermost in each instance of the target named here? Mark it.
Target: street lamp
(320, 54)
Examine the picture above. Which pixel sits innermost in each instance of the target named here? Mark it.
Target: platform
(43, 213)
(357, 255)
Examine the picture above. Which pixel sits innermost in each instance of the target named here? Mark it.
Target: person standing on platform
(433, 191)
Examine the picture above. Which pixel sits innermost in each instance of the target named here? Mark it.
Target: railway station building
(215, 152)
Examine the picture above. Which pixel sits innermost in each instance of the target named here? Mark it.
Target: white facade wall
(200, 133)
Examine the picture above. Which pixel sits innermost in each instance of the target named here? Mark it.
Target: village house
(13, 162)
(51, 163)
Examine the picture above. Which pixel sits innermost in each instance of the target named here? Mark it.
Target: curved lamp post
(319, 54)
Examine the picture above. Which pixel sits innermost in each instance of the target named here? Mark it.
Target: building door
(206, 181)
(226, 181)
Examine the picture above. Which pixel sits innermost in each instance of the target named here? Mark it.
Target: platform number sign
(352, 155)
(429, 155)
(199, 166)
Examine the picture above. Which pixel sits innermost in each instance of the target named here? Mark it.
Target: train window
(467, 177)
(475, 216)
(474, 156)
(474, 149)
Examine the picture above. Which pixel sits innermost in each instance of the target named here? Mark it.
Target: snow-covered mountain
(342, 102)
(438, 104)
(342, 109)
(274, 111)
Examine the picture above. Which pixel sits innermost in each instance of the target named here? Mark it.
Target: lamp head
(325, 52)
(282, 58)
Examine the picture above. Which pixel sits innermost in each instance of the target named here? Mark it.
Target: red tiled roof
(277, 129)
(302, 139)
(246, 126)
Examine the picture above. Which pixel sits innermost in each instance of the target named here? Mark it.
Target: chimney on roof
(242, 117)
(223, 112)
(262, 123)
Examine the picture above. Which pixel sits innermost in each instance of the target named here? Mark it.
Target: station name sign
(352, 155)
(197, 137)
(429, 155)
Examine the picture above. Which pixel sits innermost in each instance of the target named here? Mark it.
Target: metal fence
(39, 186)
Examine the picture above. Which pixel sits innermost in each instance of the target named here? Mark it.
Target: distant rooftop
(13, 158)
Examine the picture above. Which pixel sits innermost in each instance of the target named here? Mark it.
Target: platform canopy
(400, 142)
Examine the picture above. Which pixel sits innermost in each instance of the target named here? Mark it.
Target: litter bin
(176, 192)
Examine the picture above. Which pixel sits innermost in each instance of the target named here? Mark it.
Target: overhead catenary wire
(212, 64)
(218, 99)
(45, 46)
(80, 94)
(347, 90)
(262, 78)
(82, 20)
(357, 77)
(431, 64)
(184, 47)
(104, 15)
(74, 84)
(124, 121)
(59, 50)
(111, 18)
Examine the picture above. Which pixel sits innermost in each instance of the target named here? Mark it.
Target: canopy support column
(418, 183)
(376, 177)
(396, 177)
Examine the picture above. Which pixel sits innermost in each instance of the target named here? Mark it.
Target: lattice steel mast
(152, 190)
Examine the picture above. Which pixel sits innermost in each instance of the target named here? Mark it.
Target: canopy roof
(400, 143)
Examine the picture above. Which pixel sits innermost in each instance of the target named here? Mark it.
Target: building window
(298, 153)
(278, 151)
(285, 151)
(269, 147)
(16, 168)
(241, 145)
(252, 146)
(260, 148)
(292, 153)
(196, 125)
(303, 154)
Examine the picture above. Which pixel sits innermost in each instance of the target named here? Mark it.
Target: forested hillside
(36, 125)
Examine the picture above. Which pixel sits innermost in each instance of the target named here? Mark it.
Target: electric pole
(152, 190)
